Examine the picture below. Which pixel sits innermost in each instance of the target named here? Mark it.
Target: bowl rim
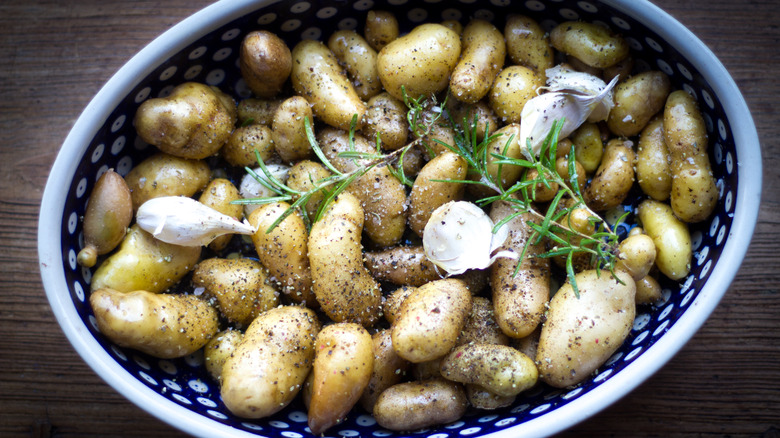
(178, 37)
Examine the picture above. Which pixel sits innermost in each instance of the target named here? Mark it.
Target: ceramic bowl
(205, 48)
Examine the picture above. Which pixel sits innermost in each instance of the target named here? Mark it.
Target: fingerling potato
(482, 56)
(416, 405)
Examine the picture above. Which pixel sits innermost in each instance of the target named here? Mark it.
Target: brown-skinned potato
(401, 265)
(108, 214)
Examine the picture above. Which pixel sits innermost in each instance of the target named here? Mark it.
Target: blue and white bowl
(205, 48)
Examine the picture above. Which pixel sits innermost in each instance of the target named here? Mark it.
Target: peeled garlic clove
(184, 221)
(252, 188)
(459, 236)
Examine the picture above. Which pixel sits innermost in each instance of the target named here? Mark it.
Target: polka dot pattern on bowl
(212, 59)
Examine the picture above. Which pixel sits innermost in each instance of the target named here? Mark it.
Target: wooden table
(54, 56)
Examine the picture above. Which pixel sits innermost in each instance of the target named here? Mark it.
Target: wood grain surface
(54, 57)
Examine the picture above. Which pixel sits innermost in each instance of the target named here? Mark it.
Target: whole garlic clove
(180, 220)
(459, 236)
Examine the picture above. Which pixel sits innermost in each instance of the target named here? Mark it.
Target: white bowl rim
(212, 17)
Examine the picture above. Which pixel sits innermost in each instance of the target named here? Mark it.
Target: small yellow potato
(588, 147)
(359, 59)
(318, 77)
(428, 194)
(593, 44)
(162, 325)
(218, 195)
(284, 251)
(477, 118)
(382, 196)
(386, 119)
(381, 28)
(482, 55)
(581, 333)
(289, 131)
(240, 287)
(303, 177)
(268, 368)
(500, 369)
(244, 141)
(519, 300)
(505, 142)
(108, 214)
(433, 132)
(653, 162)
(430, 320)
(636, 255)
(527, 44)
(416, 405)
(481, 326)
(562, 167)
(420, 61)
(637, 100)
(254, 111)
(401, 265)
(165, 175)
(694, 193)
(217, 351)
(614, 177)
(514, 86)
(540, 192)
(393, 301)
(481, 398)
(564, 147)
(342, 284)
(580, 220)
(145, 263)
(427, 370)
(343, 363)
(192, 122)
(389, 369)
(671, 237)
(620, 70)
(648, 290)
(265, 62)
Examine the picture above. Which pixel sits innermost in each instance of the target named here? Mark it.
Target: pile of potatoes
(350, 312)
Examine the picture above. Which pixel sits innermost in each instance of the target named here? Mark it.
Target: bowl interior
(213, 59)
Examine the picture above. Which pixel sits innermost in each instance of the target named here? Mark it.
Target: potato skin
(637, 100)
(268, 368)
(192, 122)
(318, 77)
(255, 111)
(342, 284)
(420, 61)
(588, 147)
(392, 303)
(382, 196)
(284, 251)
(671, 237)
(288, 129)
(636, 255)
(482, 56)
(430, 320)
(694, 192)
(359, 59)
(514, 86)
(145, 263)
(162, 325)
(240, 287)
(386, 118)
(416, 405)
(217, 351)
(265, 63)
(108, 214)
(166, 175)
(218, 195)
(389, 369)
(427, 195)
(527, 44)
(481, 326)
(653, 162)
(244, 141)
(343, 363)
(302, 177)
(381, 28)
(580, 334)
(594, 45)
(401, 265)
(519, 300)
(614, 177)
(500, 369)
